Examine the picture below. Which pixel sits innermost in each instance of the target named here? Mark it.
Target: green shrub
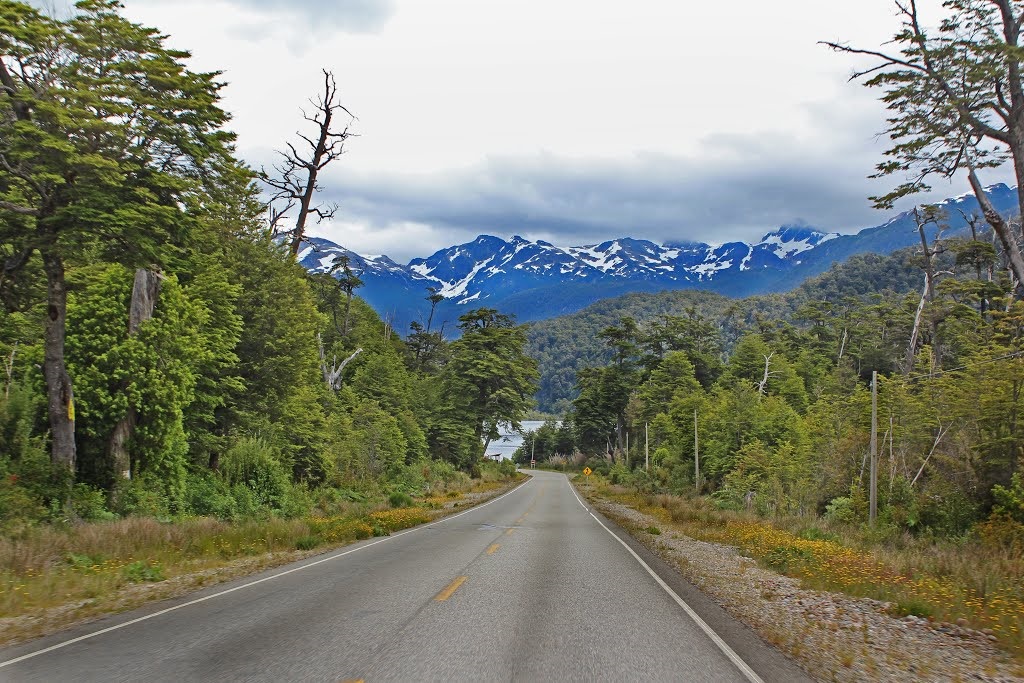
(144, 572)
(1009, 501)
(950, 514)
(247, 505)
(83, 562)
(207, 495)
(915, 606)
(411, 478)
(297, 501)
(400, 499)
(143, 497)
(255, 464)
(308, 542)
(17, 504)
(727, 499)
(653, 530)
(17, 417)
(445, 472)
(643, 482)
(507, 469)
(841, 509)
(89, 504)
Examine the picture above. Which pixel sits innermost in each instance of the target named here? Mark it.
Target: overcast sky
(572, 121)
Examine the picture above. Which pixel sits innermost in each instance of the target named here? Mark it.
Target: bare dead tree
(145, 292)
(923, 217)
(295, 178)
(332, 372)
(762, 386)
(938, 437)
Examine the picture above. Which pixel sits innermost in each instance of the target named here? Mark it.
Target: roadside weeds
(84, 587)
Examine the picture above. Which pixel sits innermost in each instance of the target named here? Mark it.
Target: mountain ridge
(536, 279)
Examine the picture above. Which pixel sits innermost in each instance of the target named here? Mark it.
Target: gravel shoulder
(834, 637)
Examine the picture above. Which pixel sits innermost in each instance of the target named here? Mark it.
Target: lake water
(511, 441)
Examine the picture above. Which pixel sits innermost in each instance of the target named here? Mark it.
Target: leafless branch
(296, 178)
(18, 208)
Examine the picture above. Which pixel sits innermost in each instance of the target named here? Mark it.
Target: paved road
(530, 586)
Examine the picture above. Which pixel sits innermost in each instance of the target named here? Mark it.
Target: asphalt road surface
(531, 586)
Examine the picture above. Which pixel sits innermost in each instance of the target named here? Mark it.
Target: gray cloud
(350, 16)
(734, 187)
(572, 202)
(315, 16)
(354, 16)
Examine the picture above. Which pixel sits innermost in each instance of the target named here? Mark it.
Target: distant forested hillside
(564, 345)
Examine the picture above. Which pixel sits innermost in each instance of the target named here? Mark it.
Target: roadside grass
(973, 581)
(45, 567)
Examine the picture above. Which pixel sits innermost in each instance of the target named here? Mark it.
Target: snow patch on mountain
(489, 270)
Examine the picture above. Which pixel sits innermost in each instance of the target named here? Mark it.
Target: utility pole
(696, 454)
(647, 455)
(873, 496)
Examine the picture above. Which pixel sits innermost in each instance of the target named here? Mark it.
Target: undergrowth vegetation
(47, 565)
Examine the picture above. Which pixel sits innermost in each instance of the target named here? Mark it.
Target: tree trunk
(1017, 153)
(915, 332)
(348, 310)
(59, 395)
(145, 293)
(1002, 229)
(929, 267)
(307, 195)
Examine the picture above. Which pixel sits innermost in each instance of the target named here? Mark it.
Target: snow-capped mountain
(535, 280)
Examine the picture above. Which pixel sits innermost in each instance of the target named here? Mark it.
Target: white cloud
(570, 119)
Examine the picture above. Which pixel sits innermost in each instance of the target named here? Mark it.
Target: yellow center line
(509, 531)
(494, 547)
(452, 587)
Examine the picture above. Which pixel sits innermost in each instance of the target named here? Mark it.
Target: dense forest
(565, 345)
(164, 354)
(780, 412)
(773, 395)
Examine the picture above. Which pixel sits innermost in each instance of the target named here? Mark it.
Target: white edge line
(115, 627)
(578, 500)
(744, 668)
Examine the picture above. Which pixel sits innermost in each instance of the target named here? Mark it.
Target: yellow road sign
(587, 471)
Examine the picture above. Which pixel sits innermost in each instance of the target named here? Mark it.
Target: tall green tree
(490, 380)
(104, 135)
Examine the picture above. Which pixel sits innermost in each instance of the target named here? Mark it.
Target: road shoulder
(831, 636)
